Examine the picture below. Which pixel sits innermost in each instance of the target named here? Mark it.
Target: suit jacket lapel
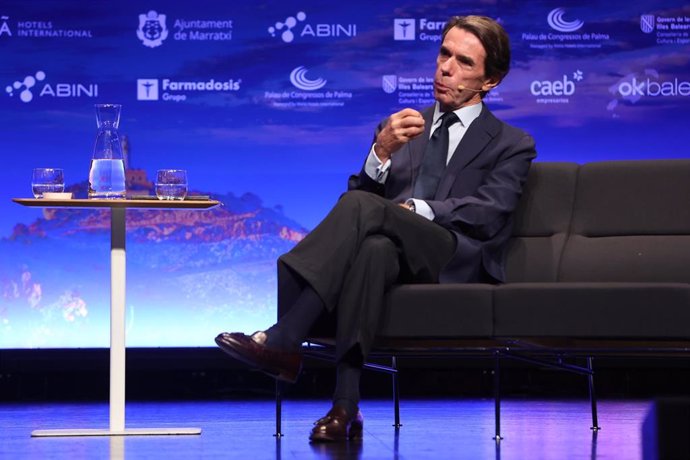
(418, 144)
(478, 135)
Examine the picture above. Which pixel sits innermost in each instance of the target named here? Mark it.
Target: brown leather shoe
(336, 426)
(279, 364)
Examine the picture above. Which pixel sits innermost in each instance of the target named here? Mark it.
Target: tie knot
(448, 119)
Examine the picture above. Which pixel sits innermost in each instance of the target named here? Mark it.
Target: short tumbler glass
(51, 180)
(171, 184)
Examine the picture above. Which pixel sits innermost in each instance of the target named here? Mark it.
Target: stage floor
(432, 429)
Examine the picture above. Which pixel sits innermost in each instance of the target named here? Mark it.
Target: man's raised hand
(401, 128)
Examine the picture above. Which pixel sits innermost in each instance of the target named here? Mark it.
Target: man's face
(460, 62)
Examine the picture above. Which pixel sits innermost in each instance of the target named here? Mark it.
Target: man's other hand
(401, 128)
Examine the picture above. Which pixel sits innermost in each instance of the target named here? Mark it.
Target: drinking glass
(171, 184)
(44, 180)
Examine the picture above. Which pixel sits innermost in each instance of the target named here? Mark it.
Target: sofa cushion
(438, 311)
(593, 310)
(542, 219)
(631, 222)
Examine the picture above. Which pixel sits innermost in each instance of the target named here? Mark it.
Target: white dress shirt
(378, 170)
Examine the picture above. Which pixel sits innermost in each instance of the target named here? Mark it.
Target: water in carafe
(107, 172)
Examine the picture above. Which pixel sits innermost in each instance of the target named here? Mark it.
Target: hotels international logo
(4, 28)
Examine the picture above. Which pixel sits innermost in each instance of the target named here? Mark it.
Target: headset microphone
(462, 87)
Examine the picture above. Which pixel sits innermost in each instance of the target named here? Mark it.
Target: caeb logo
(561, 87)
(321, 30)
(556, 21)
(404, 29)
(4, 28)
(152, 30)
(298, 77)
(25, 88)
(647, 23)
(147, 89)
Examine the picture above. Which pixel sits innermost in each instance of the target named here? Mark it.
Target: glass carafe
(107, 172)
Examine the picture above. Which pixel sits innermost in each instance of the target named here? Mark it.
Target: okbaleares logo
(648, 85)
(306, 94)
(167, 89)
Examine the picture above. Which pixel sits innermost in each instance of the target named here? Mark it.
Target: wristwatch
(411, 206)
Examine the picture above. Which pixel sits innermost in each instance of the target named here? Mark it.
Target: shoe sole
(276, 374)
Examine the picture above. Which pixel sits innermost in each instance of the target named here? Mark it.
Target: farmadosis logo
(556, 21)
(404, 29)
(152, 30)
(298, 77)
(147, 89)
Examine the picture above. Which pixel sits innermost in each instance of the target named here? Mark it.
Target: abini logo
(404, 29)
(556, 21)
(298, 77)
(147, 89)
(152, 30)
(29, 81)
(290, 22)
(56, 90)
(313, 30)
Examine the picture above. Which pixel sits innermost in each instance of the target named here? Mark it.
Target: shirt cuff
(422, 208)
(375, 169)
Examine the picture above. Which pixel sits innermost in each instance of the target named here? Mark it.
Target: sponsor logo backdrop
(270, 106)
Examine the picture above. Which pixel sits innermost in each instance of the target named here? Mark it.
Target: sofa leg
(592, 396)
(279, 406)
(497, 395)
(396, 394)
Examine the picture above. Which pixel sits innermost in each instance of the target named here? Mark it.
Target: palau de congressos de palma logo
(565, 33)
(307, 93)
(33, 85)
(297, 26)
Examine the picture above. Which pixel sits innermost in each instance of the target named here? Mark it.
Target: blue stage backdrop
(270, 106)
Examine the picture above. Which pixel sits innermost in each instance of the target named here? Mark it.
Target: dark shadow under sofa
(598, 265)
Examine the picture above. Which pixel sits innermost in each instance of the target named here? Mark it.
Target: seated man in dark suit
(432, 203)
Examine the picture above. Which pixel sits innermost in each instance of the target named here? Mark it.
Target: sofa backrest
(541, 223)
(631, 222)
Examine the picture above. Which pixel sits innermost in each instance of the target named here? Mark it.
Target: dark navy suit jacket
(476, 196)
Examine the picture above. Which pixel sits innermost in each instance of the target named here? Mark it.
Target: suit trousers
(359, 250)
